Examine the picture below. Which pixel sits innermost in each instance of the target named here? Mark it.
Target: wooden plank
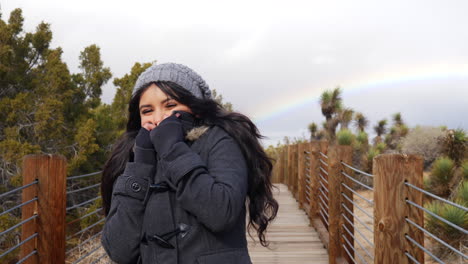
(390, 209)
(50, 170)
(30, 173)
(292, 239)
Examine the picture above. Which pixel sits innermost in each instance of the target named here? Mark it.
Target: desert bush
(461, 195)
(441, 175)
(452, 214)
(465, 169)
(381, 147)
(423, 141)
(345, 137)
(455, 145)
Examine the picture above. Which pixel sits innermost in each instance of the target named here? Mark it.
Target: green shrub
(362, 138)
(441, 175)
(442, 230)
(345, 137)
(381, 147)
(455, 145)
(461, 195)
(465, 169)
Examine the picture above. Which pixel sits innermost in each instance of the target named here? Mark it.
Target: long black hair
(262, 207)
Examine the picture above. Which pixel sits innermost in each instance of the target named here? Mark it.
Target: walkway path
(292, 240)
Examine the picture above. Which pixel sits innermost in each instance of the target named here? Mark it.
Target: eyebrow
(148, 105)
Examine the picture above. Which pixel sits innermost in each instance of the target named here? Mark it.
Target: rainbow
(311, 95)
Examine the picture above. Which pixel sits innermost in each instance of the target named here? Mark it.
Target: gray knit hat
(177, 73)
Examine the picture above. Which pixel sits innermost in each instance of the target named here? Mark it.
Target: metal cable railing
(19, 188)
(458, 252)
(357, 170)
(84, 175)
(18, 245)
(27, 257)
(19, 206)
(423, 249)
(83, 243)
(429, 234)
(356, 193)
(464, 231)
(356, 181)
(82, 246)
(323, 155)
(359, 207)
(410, 257)
(354, 250)
(21, 223)
(359, 232)
(357, 218)
(358, 242)
(84, 188)
(323, 198)
(459, 206)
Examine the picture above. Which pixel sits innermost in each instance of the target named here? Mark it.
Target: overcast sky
(272, 59)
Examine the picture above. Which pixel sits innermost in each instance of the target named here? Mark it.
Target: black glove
(187, 119)
(166, 134)
(144, 151)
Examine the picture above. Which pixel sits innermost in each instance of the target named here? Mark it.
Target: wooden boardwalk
(292, 240)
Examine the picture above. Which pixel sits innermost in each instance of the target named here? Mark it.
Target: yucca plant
(370, 157)
(345, 137)
(464, 169)
(381, 147)
(362, 137)
(441, 175)
(442, 230)
(455, 145)
(461, 195)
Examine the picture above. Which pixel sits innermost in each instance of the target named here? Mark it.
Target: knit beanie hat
(177, 73)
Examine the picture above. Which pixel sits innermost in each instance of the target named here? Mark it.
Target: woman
(176, 184)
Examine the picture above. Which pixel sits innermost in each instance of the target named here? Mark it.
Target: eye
(146, 111)
(170, 104)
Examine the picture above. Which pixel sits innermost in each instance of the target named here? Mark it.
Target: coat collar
(196, 132)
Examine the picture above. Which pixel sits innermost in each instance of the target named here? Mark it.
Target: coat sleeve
(121, 232)
(214, 192)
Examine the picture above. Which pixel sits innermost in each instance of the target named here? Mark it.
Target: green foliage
(219, 98)
(361, 121)
(455, 145)
(442, 230)
(331, 106)
(9, 240)
(123, 94)
(465, 169)
(371, 154)
(462, 193)
(441, 174)
(345, 137)
(380, 147)
(362, 138)
(94, 73)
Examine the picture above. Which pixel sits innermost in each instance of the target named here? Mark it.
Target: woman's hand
(144, 151)
(166, 134)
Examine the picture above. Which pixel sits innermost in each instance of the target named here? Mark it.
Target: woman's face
(155, 106)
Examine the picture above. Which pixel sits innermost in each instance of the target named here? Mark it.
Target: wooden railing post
(301, 174)
(295, 171)
(390, 209)
(290, 167)
(50, 170)
(336, 154)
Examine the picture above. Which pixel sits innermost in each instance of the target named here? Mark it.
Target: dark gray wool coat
(187, 208)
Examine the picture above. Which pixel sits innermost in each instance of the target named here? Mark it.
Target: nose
(158, 117)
